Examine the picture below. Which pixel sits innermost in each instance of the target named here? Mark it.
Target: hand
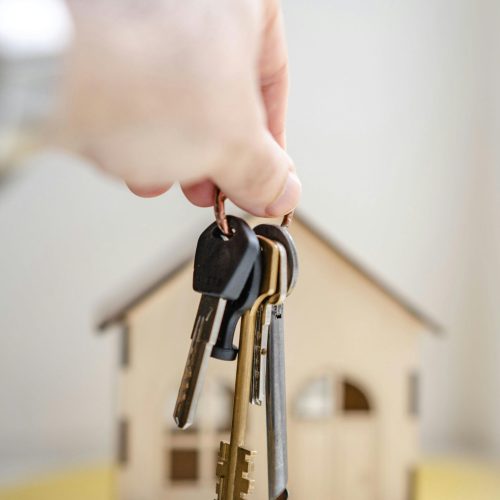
(162, 91)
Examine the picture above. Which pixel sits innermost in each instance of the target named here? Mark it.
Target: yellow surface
(84, 484)
(455, 480)
(436, 480)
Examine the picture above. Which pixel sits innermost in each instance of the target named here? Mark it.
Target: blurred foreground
(436, 480)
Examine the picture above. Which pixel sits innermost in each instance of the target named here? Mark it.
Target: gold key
(259, 363)
(235, 462)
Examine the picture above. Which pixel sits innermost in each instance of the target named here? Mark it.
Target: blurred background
(394, 123)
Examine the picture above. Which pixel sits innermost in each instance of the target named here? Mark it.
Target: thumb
(263, 182)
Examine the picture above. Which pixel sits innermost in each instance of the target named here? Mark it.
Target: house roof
(118, 314)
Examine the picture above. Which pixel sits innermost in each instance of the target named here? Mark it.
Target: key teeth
(244, 484)
(246, 487)
(221, 469)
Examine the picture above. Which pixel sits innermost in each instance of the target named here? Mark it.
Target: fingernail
(288, 199)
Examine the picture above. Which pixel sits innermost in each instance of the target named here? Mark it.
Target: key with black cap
(224, 349)
(222, 266)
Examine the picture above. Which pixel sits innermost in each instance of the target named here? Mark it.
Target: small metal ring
(220, 213)
(221, 219)
(287, 219)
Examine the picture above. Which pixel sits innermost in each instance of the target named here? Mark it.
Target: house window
(316, 399)
(189, 454)
(413, 394)
(184, 465)
(323, 397)
(125, 347)
(123, 441)
(353, 398)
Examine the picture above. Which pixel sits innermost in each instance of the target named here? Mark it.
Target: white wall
(386, 130)
(486, 367)
(385, 124)
(70, 241)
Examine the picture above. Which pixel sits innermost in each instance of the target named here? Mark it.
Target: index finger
(273, 69)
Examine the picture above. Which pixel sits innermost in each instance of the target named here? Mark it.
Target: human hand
(161, 91)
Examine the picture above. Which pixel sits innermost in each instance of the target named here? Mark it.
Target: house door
(353, 459)
(333, 443)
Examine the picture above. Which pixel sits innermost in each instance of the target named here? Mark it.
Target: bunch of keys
(242, 274)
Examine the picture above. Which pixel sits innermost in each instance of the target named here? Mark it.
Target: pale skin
(195, 92)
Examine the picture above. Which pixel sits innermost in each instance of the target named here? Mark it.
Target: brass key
(235, 463)
(264, 314)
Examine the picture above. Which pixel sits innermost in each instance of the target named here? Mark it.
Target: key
(221, 268)
(277, 458)
(224, 348)
(235, 462)
(258, 387)
(282, 235)
(277, 446)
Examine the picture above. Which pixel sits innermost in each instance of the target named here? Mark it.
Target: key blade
(277, 452)
(270, 259)
(203, 337)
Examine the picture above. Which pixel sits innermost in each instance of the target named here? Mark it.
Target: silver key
(277, 448)
(205, 331)
(277, 458)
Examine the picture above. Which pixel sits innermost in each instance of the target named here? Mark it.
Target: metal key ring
(220, 212)
(221, 219)
(287, 219)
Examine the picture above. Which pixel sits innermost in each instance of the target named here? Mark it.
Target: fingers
(273, 68)
(275, 98)
(263, 182)
(149, 192)
(200, 194)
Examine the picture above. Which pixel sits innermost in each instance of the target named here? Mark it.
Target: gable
(304, 235)
(330, 256)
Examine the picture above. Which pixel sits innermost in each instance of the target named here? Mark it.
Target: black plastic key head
(224, 348)
(222, 265)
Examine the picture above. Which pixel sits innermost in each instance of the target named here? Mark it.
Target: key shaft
(275, 377)
(277, 447)
(203, 337)
(270, 255)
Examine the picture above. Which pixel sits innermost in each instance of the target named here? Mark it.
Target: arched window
(325, 396)
(316, 400)
(353, 398)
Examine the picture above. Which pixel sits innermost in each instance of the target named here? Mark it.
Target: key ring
(287, 219)
(220, 212)
(221, 219)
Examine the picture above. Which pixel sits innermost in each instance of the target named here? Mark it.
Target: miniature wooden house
(352, 382)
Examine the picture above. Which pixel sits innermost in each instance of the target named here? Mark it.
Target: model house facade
(352, 387)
